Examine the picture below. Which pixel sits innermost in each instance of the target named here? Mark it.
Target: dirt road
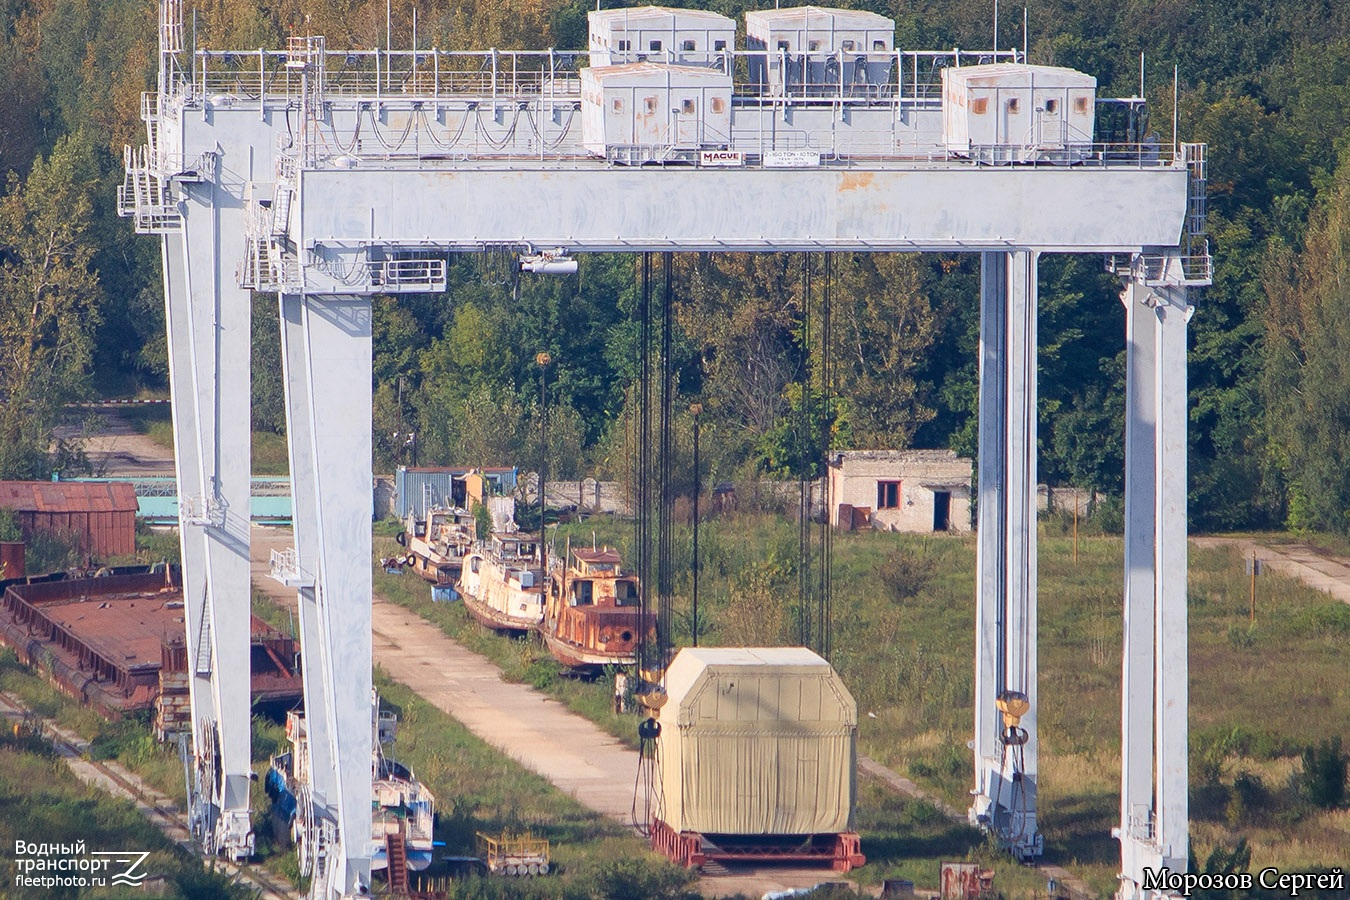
(118, 449)
(1315, 568)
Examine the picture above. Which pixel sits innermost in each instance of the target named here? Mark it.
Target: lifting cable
(643, 472)
(823, 599)
(650, 655)
(802, 440)
(665, 516)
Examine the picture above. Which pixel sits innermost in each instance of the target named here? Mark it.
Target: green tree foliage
(1305, 382)
(268, 385)
(1323, 775)
(49, 302)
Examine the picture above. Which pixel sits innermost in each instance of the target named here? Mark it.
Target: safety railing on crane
(913, 76)
(462, 105)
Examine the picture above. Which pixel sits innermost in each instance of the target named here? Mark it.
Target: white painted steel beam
(1005, 628)
(316, 675)
(327, 358)
(595, 207)
(1154, 815)
(209, 326)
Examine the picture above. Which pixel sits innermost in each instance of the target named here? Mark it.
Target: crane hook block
(1014, 705)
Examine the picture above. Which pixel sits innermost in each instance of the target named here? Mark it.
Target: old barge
(117, 643)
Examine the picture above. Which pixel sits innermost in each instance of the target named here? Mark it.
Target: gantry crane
(327, 178)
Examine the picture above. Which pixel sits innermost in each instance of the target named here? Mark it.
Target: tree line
(1265, 84)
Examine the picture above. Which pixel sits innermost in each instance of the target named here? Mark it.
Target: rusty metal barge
(117, 643)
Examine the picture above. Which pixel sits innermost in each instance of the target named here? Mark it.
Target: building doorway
(942, 510)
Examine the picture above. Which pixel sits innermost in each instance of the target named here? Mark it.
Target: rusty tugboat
(502, 583)
(594, 615)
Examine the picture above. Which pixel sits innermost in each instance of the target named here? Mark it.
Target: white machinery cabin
(1013, 113)
(813, 51)
(688, 37)
(639, 111)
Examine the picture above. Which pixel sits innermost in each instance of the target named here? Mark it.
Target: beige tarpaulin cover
(757, 741)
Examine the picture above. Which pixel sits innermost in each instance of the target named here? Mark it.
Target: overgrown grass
(128, 741)
(907, 656)
(480, 789)
(269, 454)
(42, 802)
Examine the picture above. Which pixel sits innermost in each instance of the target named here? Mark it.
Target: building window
(846, 46)
(1012, 104)
(654, 46)
(888, 495)
(686, 107)
(719, 45)
(718, 105)
(813, 46)
(625, 45)
(1052, 106)
(879, 46)
(649, 104)
(687, 45)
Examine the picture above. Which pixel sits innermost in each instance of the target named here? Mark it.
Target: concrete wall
(922, 475)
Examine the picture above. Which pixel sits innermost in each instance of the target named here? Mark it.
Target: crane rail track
(160, 810)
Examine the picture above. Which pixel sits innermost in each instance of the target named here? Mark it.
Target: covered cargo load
(1015, 113)
(757, 741)
(689, 37)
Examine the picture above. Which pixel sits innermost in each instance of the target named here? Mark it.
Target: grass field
(904, 642)
(42, 802)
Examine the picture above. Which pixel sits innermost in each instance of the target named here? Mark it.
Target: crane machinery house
(813, 51)
(689, 37)
(653, 112)
(1013, 113)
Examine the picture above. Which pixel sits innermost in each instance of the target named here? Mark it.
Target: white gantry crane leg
(1005, 627)
(326, 343)
(209, 321)
(1153, 830)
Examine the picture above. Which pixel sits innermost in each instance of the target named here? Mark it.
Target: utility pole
(543, 359)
